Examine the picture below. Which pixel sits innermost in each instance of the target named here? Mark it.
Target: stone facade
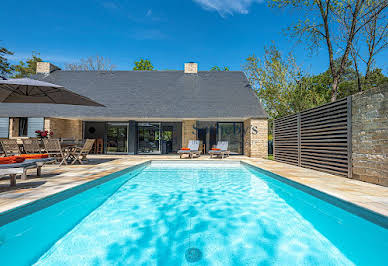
(256, 138)
(14, 128)
(45, 67)
(64, 128)
(188, 132)
(191, 68)
(370, 136)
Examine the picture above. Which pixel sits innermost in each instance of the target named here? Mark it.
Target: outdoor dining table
(67, 146)
(69, 149)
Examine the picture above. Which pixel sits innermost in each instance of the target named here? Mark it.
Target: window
(233, 133)
(23, 125)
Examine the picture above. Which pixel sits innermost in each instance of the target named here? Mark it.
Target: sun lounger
(10, 147)
(222, 149)
(31, 146)
(193, 149)
(21, 168)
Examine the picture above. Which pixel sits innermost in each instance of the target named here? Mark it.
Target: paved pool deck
(55, 179)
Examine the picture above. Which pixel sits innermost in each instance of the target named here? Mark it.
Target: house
(147, 112)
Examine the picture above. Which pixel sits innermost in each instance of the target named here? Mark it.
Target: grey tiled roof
(149, 94)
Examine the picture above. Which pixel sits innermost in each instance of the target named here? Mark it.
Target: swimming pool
(197, 213)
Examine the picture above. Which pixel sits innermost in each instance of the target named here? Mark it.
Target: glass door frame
(242, 135)
(138, 125)
(106, 136)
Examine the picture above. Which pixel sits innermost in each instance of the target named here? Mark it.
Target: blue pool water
(191, 214)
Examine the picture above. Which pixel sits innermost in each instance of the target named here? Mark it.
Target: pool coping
(21, 211)
(347, 205)
(354, 208)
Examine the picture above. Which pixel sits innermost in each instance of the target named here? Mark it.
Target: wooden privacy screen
(318, 138)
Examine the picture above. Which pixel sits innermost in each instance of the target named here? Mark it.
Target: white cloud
(227, 7)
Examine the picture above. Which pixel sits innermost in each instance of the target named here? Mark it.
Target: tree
(27, 68)
(5, 67)
(143, 64)
(375, 37)
(92, 63)
(338, 24)
(280, 84)
(217, 68)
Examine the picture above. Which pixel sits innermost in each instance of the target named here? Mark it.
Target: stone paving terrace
(55, 179)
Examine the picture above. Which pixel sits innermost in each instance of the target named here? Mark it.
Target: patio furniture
(10, 147)
(31, 146)
(53, 149)
(21, 168)
(79, 154)
(192, 149)
(2, 153)
(220, 150)
(99, 146)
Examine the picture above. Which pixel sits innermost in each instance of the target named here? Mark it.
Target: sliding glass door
(233, 133)
(149, 138)
(117, 138)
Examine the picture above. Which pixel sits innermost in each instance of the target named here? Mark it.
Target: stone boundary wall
(370, 136)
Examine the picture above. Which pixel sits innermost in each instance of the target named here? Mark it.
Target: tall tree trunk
(358, 79)
(324, 10)
(354, 56)
(334, 88)
(349, 44)
(368, 66)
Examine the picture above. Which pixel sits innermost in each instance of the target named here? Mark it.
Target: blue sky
(169, 33)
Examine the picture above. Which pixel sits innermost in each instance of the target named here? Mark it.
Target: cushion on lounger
(11, 159)
(34, 156)
(185, 149)
(215, 149)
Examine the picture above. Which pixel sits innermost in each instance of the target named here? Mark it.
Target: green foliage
(217, 68)
(284, 89)
(27, 68)
(280, 84)
(5, 67)
(337, 25)
(143, 64)
(321, 83)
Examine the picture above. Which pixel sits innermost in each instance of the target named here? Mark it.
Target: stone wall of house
(256, 138)
(64, 128)
(14, 128)
(188, 132)
(370, 136)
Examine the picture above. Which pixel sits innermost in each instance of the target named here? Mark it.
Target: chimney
(191, 68)
(45, 68)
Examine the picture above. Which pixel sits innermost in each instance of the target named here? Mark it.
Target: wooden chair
(53, 149)
(10, 147)
(99, 146)
(80, 154)
(31, 146)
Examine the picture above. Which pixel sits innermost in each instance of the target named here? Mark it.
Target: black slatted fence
(318, 138)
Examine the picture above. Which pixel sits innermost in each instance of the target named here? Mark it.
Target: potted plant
(42, 134)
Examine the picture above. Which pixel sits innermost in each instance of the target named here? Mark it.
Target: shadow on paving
(97, 161)
(27, 185)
